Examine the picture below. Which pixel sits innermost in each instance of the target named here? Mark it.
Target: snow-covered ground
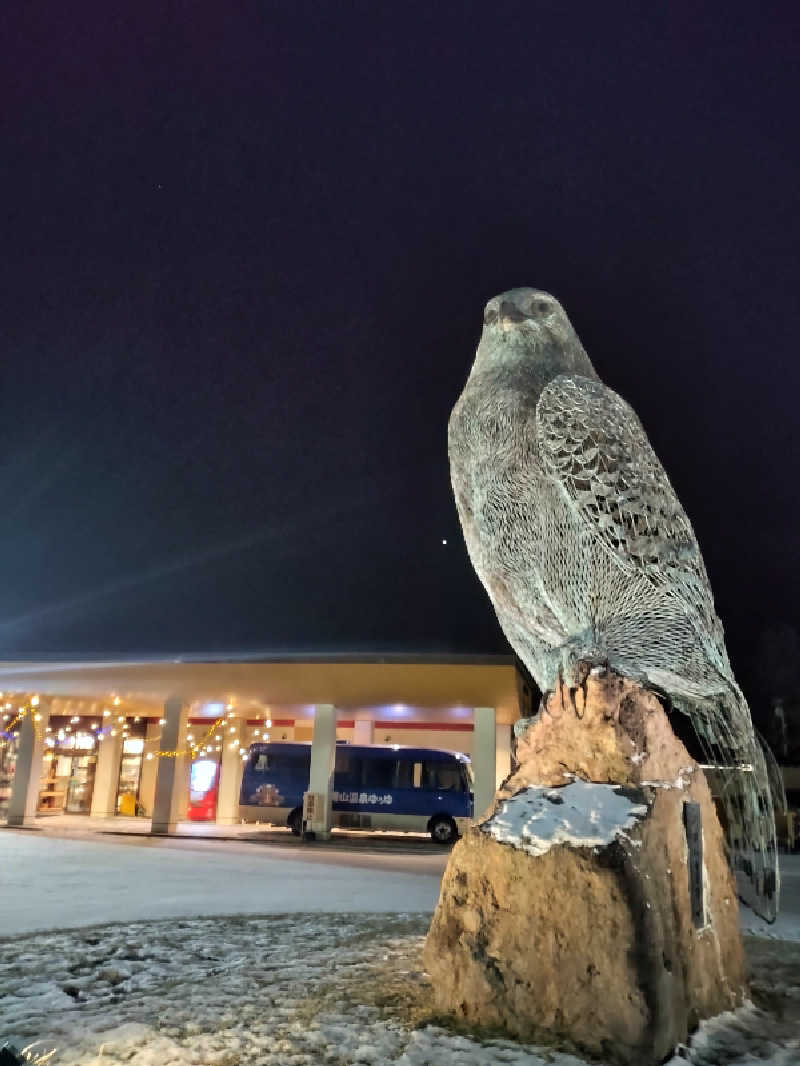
(292, 990)
(284, 989)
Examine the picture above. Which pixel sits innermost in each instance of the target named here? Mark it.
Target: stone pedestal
(595, 904)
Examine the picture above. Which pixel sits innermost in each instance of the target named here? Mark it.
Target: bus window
(405, 774)
(281, 761)
(444, 776)
(417, 775)
(378, 773)
(348, 768)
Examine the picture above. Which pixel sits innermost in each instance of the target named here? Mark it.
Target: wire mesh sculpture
(587, 555)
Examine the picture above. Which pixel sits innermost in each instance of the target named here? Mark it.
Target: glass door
(8, 760)
(130, 772)
(81, 784)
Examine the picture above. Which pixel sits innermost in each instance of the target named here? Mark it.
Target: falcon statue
(587, 555)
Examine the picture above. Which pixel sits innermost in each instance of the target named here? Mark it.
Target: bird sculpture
(587, 555)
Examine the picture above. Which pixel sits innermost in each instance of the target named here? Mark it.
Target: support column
(24, 798)
(230, 773)
(172, 775)
(106, 777)
(323, 757)
(484, 758)
(502, 753)
(363, 731)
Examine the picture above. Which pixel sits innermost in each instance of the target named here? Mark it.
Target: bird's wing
(591, 443)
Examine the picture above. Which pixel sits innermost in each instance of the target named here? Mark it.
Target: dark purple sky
(245, 251)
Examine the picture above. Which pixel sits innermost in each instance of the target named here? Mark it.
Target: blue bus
(374, 787)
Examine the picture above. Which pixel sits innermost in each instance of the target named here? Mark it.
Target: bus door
(349, 795)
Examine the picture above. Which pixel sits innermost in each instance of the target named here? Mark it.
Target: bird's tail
(726, 733)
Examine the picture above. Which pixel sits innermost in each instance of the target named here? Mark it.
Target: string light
(194, 747)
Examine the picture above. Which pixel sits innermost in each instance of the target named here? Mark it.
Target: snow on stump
(595, 904)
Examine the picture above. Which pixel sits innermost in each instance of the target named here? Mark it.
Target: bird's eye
(542, 307)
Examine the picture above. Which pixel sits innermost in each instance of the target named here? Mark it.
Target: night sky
(245, 251)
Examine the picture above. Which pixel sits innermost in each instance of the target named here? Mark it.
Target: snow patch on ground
(304, 990)
(582, 814)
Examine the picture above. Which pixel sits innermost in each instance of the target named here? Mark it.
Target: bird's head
(528, 328)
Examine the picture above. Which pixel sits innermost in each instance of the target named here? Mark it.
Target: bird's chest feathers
(494, 431)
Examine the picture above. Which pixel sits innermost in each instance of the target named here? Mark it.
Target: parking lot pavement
(62, 881)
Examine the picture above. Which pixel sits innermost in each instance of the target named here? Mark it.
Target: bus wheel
(295, 821)
(442, 829)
